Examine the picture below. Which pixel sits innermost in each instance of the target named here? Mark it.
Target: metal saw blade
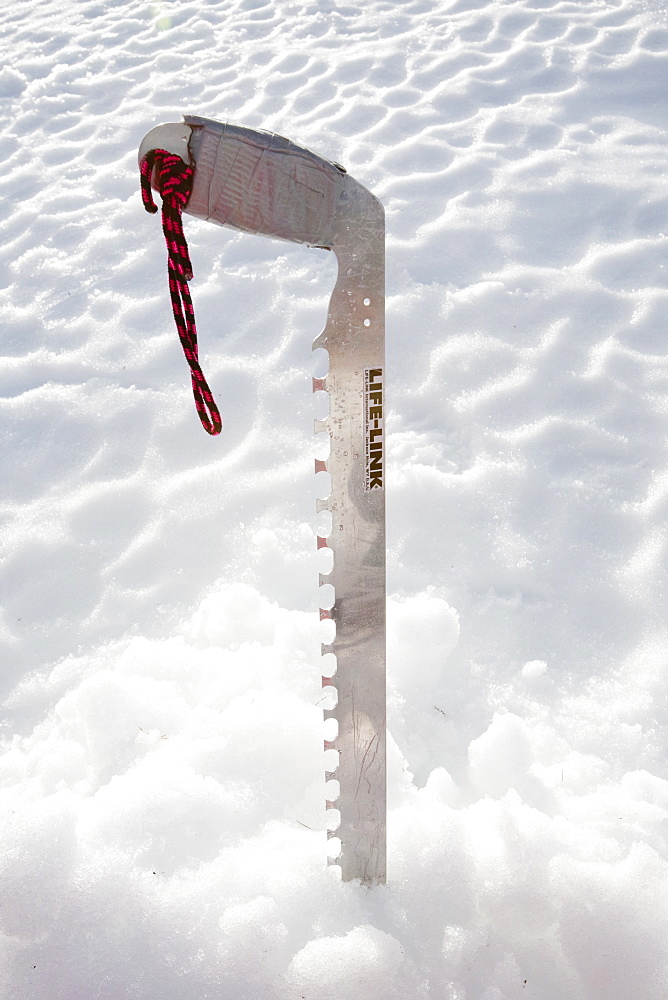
(355, 339)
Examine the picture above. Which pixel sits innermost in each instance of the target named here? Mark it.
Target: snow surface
(161, 770)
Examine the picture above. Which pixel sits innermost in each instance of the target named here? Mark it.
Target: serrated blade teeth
(354, 340)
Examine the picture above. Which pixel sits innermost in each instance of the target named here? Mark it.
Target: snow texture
(161, 769)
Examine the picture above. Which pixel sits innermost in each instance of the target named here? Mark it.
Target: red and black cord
(173, 180)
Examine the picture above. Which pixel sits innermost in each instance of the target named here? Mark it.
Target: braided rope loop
(174, 182)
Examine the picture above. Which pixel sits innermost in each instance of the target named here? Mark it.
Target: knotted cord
(174, 182)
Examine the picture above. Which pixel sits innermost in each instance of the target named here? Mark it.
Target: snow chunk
(364, 963)
(501, 755)
(534, 669)
(12, 83)
(422, 633)
(235, 615)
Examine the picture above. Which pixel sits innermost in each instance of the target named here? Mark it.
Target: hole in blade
(332, 819)
(328, 699)
(332, 790)
(326, 596)
(325, 560)
(323, 444)
(328, 665)
(321, 404)
(327, 631)
(331, 729)
(323, 485)
(333, 847)
(323, 523)
(320, 362)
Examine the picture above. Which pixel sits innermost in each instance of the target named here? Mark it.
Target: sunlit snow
(162, 796)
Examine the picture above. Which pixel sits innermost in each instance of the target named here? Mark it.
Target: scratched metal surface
(355, 339)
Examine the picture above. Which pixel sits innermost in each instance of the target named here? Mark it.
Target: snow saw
(261, 183)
